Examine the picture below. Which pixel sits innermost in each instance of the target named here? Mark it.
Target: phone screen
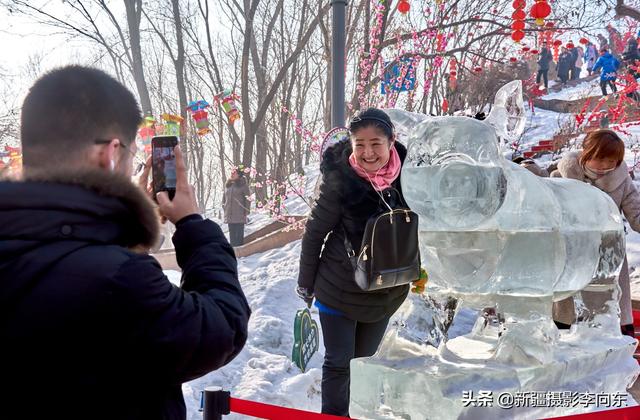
(164, 166)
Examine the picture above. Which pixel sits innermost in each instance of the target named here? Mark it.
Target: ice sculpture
(508, 115)
(508, 243)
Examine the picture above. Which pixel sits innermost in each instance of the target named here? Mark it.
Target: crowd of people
(605, 60)
(85, 306)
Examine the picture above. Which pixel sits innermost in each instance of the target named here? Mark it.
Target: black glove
(305, 294)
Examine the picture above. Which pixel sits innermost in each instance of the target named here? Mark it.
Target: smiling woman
(372, 138)
(360, 179)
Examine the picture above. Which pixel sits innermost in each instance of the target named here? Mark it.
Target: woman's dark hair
(372, 117)
(602, 144)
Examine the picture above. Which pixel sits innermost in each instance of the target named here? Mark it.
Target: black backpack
(389, 255)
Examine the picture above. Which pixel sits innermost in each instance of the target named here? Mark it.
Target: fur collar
(569, 167)
(136, 208)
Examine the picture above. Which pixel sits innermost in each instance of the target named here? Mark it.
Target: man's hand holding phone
(184, 201)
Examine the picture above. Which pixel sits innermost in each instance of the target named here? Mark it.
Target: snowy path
(585, 89)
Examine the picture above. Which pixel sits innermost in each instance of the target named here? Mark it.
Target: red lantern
(540, 10)
(519, 4)
(570, 45)
(584, 41)
(404, 7)
(525, 49)
(513, 59)
(549, 25)
(535, 52)
(519, 14)
(557, 43)
(517, 36)
(517, 25)
(453, 73)
(445, 105)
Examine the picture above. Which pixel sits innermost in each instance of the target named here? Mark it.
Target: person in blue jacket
(608, 65)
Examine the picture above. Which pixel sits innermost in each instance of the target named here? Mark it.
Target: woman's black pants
(344, 339)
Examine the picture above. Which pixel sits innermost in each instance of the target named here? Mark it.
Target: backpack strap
(351, 253)
(401, 203)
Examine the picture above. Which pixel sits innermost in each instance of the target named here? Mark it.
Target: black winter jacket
(564, 64)
(544, 59)
(90, 327)
(345, 200)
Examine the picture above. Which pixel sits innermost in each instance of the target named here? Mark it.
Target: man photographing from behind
(89, 326)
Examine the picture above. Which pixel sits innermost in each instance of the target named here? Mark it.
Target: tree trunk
(134, 12)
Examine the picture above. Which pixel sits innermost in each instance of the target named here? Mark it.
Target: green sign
(305, 338)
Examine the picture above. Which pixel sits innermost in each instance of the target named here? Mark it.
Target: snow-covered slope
(585, 89)
(542, 125)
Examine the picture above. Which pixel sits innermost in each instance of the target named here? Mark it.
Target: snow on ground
(263, 370)
(585, 89)
(542, 125)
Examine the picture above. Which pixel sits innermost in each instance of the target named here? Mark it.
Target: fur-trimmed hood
(89, 205)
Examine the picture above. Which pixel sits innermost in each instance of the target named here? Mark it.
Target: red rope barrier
(274, 412)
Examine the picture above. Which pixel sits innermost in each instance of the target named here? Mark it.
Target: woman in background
(236, 206)
(601, 164)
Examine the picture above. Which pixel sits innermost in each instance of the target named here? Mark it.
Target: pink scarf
(383, 177)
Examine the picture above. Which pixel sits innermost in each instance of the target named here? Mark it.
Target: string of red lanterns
(453, 73)
(518, 20)
(556, 47)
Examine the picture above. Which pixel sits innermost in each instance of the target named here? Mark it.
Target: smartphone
(163, 165)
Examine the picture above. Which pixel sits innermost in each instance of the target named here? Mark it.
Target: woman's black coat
(345, 202)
